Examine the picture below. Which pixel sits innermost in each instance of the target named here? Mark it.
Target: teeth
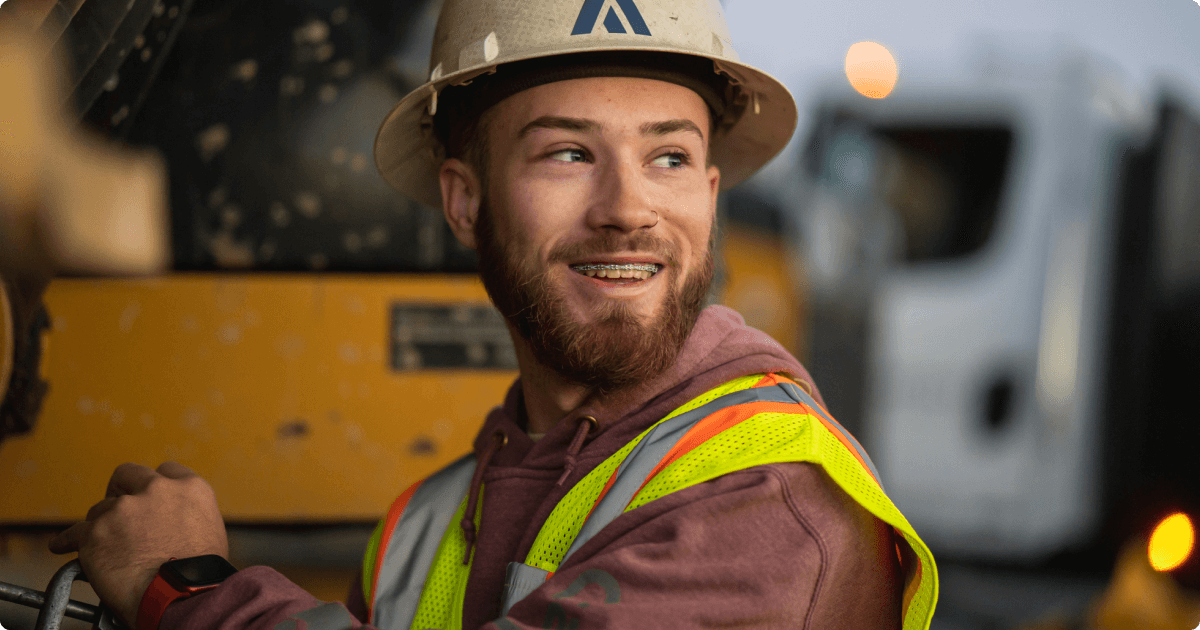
(651, 267)
(628, 271)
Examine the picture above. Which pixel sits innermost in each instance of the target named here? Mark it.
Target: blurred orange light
(871, 69)
(1172, 541)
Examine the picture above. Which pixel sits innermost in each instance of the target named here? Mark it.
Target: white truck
(1003, 273)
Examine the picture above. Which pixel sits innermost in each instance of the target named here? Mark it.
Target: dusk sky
(802, 42)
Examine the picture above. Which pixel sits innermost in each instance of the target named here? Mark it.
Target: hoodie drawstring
(586, 425)
(499, 439)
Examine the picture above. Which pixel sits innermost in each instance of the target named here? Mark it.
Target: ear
(714, 186)
(461, 195)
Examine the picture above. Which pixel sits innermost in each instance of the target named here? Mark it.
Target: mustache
(610, 243)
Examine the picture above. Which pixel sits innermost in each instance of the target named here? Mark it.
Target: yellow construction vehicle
(293, 330)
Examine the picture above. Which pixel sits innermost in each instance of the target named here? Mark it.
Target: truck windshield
(943, 184)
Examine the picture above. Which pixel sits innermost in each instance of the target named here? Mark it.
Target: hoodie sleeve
(778, 546)
(258, 598)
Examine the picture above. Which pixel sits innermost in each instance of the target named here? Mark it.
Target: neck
(548, 396)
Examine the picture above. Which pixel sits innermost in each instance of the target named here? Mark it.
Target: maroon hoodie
(776, 546)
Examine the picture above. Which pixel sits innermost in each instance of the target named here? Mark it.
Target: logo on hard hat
(589, 16)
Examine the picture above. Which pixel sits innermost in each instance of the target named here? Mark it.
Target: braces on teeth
(631, 267)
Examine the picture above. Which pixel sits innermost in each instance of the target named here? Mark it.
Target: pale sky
(801, 41)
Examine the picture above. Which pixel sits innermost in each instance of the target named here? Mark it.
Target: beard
(617, 348)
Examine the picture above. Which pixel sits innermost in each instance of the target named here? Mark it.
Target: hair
(468, 141)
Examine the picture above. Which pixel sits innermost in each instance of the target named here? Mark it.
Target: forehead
(614, 102)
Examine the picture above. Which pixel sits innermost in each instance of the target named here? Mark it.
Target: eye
(670, 160)
(569, 155)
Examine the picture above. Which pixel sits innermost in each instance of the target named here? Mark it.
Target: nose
(621, 201)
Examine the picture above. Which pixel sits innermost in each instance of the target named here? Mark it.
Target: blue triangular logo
(590, 13)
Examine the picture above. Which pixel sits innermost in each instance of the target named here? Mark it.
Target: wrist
(179, 579)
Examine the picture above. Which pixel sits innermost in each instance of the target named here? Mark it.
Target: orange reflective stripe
(729, 416)
(766, 381)
(835, 428)
(607, 486)
(769, 379)
(720, 420)
(776, 378)
(910, 585)
(910, 589)
(389, 526)
(714, 424)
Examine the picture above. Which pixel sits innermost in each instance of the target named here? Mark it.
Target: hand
(146, 518)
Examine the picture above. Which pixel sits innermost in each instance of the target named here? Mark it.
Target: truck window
(943, 184)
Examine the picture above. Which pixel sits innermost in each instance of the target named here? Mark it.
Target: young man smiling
(656, 464)
(588, 179)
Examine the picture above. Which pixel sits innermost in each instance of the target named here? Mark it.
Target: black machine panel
(266, 113)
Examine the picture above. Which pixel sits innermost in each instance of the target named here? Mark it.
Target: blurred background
(983, 241)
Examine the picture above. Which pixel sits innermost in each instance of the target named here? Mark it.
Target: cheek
(695, 219)
(544, 213)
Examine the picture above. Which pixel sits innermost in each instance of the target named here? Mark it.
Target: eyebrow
(667, 127)
(560, 122)
(662, 128)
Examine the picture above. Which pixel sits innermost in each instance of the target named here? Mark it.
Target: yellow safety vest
(413, 571)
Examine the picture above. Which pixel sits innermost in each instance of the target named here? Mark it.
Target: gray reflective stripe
(640, 462)
(801, 396)
(414, 543)
(504, 623)
(520, 580)
(331, 616)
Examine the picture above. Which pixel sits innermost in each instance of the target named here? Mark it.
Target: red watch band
(158, 596)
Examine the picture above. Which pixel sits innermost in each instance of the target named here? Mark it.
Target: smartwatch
(177, 579)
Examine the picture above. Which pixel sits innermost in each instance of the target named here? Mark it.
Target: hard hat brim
(408, 154)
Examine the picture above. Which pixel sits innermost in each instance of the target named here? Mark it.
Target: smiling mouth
(618, 274)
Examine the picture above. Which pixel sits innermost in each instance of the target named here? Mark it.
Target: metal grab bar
(56, 602)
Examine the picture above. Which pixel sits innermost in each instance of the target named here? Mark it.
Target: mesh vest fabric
(409, 540)
(565, 521)
(445, 589)
(757, 434)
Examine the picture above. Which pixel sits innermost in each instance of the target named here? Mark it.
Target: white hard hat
(475, 37)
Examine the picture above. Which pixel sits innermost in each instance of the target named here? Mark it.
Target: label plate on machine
(430, 336)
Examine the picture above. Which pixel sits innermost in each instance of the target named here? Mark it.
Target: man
(656, 464)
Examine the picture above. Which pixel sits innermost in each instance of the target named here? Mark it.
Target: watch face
(197, 572)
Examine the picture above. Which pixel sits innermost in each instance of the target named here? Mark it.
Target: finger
(175, 470)
(100, 508)
(69, 540)
(129, 479)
